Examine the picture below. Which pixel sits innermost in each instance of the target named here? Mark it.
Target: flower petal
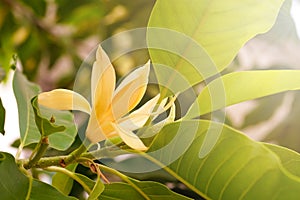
(138, 118)
(130, 92)
(131, 139)
(62, 99)
(103, 82)
(93, 131)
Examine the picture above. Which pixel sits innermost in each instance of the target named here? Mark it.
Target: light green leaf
(153, 190)
(15, 185)
(236, 167)
(242, 86)
(195, 39)
(2, 118)
(45, 126)
(24, 91)
(62, 182)
(289, 159)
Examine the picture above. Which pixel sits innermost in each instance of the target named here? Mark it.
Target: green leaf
(242, 86)
(236, 167)
(2, 118)
(195, 39)
(24, 91)
(15, 185)
(97, 189)
(45, 126)
(61, 140)
(62, 182)
(152, 190)
(42, 190)
(289, 159)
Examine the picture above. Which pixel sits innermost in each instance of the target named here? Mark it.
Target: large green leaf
(152, 190)
(2, 118)
(24, 91)
(243, 86)
(236, 167)
(199, 38)
(15, 185)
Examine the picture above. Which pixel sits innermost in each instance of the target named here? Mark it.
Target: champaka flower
(110, 111)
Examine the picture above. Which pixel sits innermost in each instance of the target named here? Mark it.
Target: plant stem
(39, 151)
(61, 161)
(124, 178)
(71, 175)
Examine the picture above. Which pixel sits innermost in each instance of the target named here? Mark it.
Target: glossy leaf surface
(197, 39)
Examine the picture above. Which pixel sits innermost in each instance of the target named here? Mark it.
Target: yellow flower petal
(131, 139)
(138, 118)
(130, 92)
(93, 131)
(62, 99)
(103, 83)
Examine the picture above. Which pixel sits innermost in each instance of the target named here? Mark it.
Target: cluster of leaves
(210, 158)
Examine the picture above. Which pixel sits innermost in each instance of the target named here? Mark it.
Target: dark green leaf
(13, 183)
(45, 126)
(2, 118)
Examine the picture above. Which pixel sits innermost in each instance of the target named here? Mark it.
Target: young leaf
(2, 118)
(206, 36)
(15, 185)
(242, 86)
(236, 167)
(45, 126)
(24, 91)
